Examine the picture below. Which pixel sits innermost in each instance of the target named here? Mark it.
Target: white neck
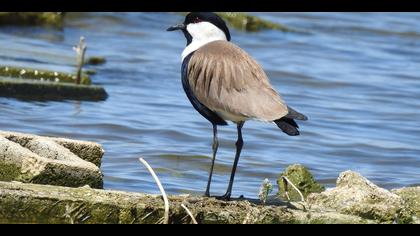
(202, 33)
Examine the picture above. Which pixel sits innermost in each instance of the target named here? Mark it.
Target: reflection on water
(355, 75)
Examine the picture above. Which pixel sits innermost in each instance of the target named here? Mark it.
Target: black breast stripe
(202, 109)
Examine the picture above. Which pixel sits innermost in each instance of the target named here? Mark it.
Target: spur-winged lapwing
(224, 83)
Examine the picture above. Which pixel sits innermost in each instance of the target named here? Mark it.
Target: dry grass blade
(189, 213)
(165, 197)
(285, 181)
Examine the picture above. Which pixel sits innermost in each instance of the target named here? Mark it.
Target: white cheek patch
(205, 30)
(202, 33)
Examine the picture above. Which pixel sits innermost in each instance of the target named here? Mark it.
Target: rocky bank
(55, 180)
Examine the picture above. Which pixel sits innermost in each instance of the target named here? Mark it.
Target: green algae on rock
(355, 200)
(8, 172)
(411, 197)
(41, 75)
(44, 90)
(355, 195)
(54, 19)
(41, 160)
(302, 179)
(88, 151)
(56, 204)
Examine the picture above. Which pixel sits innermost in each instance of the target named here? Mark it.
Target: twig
(287, 194)
(165, 198)
(80, 51)
(189, 213)
(159, 221)
(147, 215)
(285, 181)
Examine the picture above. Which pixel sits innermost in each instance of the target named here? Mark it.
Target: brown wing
(225, 78)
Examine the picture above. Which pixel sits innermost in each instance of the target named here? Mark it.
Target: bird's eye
(197, 20)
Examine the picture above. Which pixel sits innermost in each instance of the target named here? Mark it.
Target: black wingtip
(293, 114)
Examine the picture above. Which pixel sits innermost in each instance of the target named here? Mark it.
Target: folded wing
(225, 78)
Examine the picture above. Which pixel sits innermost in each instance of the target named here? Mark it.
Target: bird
(224, 83)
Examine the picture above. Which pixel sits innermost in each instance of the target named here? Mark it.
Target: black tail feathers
(288, 126)
(287, 123)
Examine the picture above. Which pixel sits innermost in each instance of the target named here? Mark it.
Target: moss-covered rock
(355, 195)
(88, 151)
(32, 203)
(250, 23)
(54, 19)
(43, 90)
(42, 75)
(411, 197)
(302, 179)
(9, 172)
(35, 159)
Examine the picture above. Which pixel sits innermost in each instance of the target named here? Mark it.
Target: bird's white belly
(232, 117)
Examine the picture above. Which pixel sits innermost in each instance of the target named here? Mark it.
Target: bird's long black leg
(214, 147)
(239, 145)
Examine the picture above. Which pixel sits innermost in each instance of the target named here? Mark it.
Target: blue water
(355, 75)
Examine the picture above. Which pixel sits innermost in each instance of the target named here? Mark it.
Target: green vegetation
(44, 90)
(53, 19)
(55, 204)
(9, 172)
(246, 22)
(41, 75)
(302, 179)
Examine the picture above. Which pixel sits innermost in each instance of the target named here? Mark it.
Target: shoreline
(48, 179)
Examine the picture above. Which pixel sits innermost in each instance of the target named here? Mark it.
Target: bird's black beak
(176, 27)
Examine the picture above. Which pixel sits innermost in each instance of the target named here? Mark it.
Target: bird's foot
(225, 197)
(206, 194)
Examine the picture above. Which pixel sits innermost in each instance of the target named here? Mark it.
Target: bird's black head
(201, 25)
